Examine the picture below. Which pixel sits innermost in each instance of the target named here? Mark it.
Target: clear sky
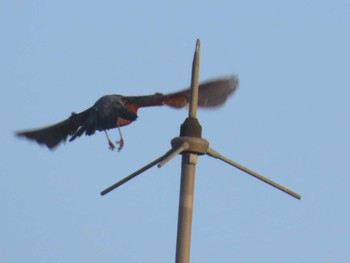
(289, 120)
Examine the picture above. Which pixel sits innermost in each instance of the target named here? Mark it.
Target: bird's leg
(121, 141)
(110, 143)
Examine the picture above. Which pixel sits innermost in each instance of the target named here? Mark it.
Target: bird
(116, 111)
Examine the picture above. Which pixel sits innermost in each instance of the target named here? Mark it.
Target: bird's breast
(123, 122)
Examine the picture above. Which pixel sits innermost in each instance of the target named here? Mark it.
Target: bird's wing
(51, 136)
(210, 94)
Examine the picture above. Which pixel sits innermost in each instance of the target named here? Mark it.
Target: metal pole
(189, 161)
(192, 112)
(184, 228)
(266, 180)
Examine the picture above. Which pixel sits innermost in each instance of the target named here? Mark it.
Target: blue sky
(288, 121)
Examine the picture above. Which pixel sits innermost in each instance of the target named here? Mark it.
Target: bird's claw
(121, 144)
(111, 146)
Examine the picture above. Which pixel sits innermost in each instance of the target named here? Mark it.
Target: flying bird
(115, 111)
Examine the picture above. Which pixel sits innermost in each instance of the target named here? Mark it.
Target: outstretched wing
(51, 136)
(210, 94)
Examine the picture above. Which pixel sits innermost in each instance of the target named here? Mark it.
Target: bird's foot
(121, 144)
(111, 145)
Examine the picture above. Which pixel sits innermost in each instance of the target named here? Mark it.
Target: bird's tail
(51, 136)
